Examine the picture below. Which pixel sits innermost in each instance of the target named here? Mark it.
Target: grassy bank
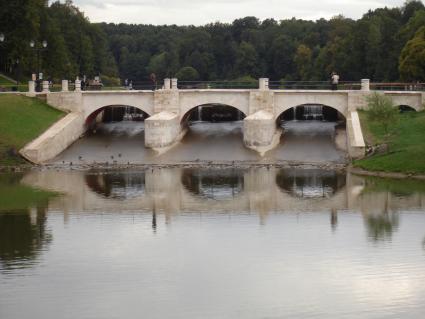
(8, 85)
(5, 81)
(22, 119)
(406, 142)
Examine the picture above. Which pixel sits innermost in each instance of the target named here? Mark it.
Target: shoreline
(396, 175)
(211, 165)
(189, 164)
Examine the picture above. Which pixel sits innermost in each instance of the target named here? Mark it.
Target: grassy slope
(406, 145)
(22, 119)
(4, 81)
(8, 85)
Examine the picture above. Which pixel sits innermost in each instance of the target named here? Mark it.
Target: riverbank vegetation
(22, 119)
(401, 148)
(386, 44)
(15, 196)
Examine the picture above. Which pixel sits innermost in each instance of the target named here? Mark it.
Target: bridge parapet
(167, 100)
(66, 101)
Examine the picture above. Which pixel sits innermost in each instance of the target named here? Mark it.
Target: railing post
(77, 85)
(31, 87)
(65, 86)
(263, 84)
(174, 84)
(167, 84)
(45, 86)
(365, 85)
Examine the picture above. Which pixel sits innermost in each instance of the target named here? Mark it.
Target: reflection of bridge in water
(259, 191)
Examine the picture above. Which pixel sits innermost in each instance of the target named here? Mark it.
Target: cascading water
(131, 114)
(313, 112)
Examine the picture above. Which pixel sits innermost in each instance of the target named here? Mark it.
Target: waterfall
(313, 112)
(127, 114)
(200, 113)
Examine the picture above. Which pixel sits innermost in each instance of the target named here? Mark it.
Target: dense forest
(386, 44)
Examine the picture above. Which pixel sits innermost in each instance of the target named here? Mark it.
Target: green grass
(8, 85)
(406, 144)
(4, 81)
(22, 119)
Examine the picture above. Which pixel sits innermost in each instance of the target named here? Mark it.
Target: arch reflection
(118, 185)
(218, 184)
(310, 183)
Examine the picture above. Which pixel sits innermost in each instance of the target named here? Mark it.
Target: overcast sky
(199, 12)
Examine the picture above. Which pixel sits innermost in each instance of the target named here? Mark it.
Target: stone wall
(55, 140)
(65, 101)
(355, 140)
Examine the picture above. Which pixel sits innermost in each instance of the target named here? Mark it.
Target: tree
(288, 49)
(187, 73)
(281, 57)
(302, 60)
(246, 60)
(409, 9)
(382, 110)
(201, 62)
(412, 58)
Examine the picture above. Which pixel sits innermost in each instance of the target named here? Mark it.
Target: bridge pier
(260, 132)
(163, 130)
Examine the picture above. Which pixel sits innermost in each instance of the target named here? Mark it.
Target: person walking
(152, 77)
(334, 81)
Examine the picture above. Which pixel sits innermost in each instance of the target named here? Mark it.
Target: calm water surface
(197, 243)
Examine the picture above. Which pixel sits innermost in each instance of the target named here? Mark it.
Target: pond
(210, 243)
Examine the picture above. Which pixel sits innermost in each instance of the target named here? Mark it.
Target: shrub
(382, 110)
(187, 73)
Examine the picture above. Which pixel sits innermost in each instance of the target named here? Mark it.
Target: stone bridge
(168, 108)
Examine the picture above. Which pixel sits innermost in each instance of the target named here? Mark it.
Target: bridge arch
(90, 117)
(93, 101)
(185, 117)
(412, 100)
(406, 108)
(289, 100)
(328, 112)
(237, 99)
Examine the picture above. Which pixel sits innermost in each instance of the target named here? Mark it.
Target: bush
(187, 73)
(110, 81)
(382, 110)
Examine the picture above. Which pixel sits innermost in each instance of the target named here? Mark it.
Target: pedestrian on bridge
(152, 77)
(334, 81)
